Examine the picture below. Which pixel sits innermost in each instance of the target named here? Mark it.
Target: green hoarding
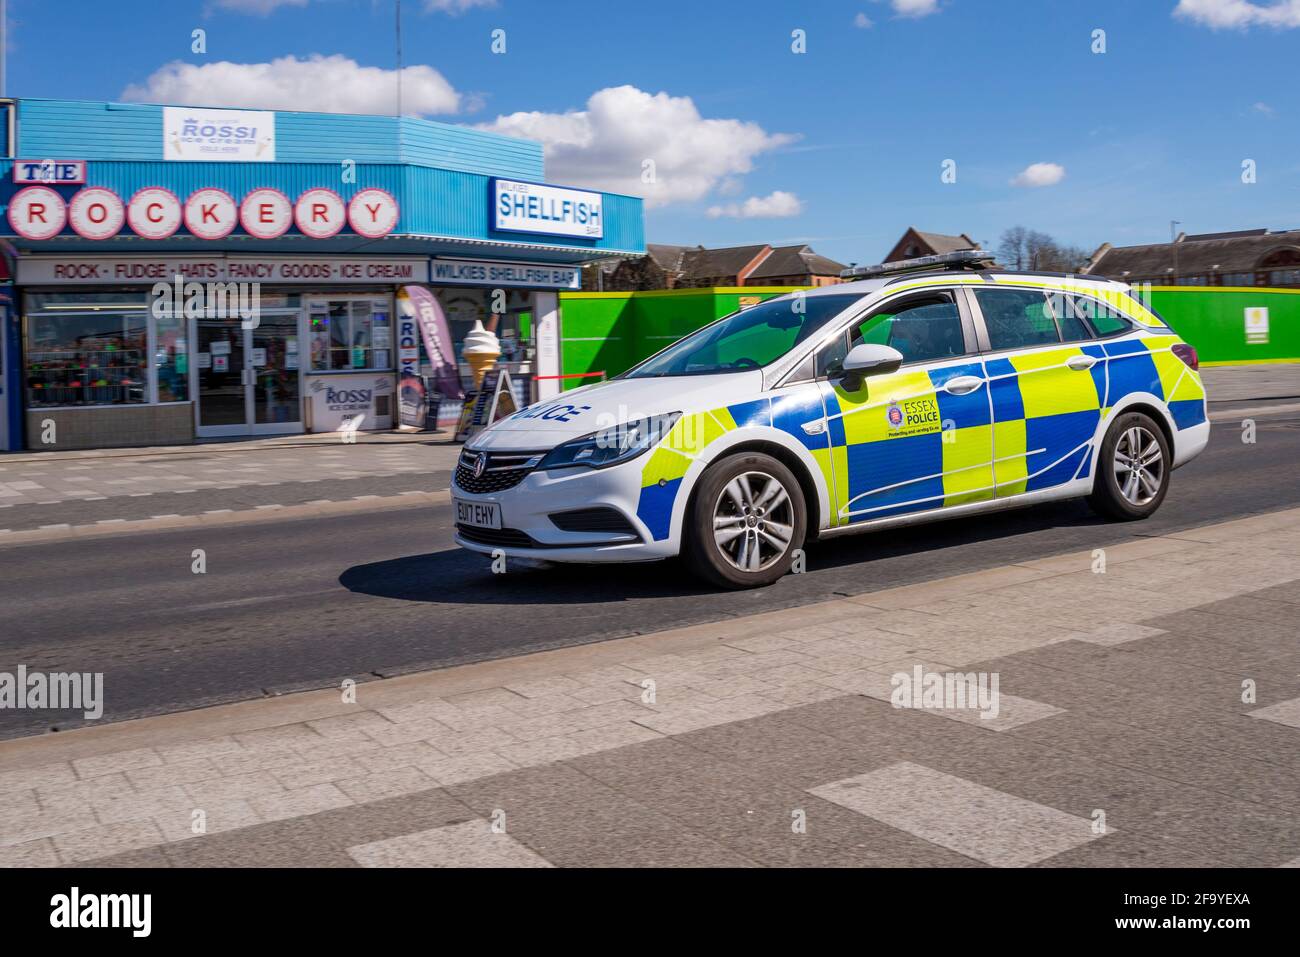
(1214, 320)
(609, 332)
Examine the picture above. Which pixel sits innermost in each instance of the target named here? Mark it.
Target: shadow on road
(456, 576)
(460, 577)
(1069, 518)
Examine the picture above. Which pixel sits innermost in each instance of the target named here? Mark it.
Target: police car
(923, 389)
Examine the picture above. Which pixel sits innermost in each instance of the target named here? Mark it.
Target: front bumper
(527, 508)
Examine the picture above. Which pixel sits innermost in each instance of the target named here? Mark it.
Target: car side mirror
(869, 359)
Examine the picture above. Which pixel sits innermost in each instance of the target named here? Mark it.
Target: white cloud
(915, 8)
(1240, 14)
(1263, 108)
(456, 7)
(624, 132)
(258, 8)
(329, 84)
(863, 22)
(1039, 174)
(776, 205)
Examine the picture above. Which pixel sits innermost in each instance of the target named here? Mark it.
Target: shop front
(164, 302)
(10, 387)
(174, 363)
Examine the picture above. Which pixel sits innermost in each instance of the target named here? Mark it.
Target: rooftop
(1201, 254)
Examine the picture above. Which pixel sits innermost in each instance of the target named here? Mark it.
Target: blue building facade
(321, 219)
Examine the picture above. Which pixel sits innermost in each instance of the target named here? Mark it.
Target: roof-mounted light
(961, 259)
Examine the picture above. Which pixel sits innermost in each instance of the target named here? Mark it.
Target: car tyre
(1133, 466)
(746, 523)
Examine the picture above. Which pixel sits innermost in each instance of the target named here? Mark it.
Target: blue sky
(841, 146)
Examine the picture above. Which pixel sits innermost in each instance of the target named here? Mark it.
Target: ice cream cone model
(481, 350)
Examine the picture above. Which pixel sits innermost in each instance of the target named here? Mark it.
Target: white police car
(935, 388)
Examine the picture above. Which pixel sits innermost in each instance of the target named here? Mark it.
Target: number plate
(478, 514)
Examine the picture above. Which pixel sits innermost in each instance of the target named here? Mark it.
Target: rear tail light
(1187, 354)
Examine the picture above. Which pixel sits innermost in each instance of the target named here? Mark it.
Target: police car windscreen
(749, 339)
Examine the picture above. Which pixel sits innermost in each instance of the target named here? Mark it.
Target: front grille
(601, 519)
(503, 537)
(503, 470)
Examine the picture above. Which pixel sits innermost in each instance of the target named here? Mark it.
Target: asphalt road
(300, 604)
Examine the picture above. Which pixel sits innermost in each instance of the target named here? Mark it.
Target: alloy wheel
(1139, 466)
(753, 521)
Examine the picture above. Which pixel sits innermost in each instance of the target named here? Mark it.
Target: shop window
(463, 307)
(349, 335)
(93, 357)
(171, 360)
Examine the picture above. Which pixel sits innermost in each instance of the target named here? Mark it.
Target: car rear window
(1017, 318)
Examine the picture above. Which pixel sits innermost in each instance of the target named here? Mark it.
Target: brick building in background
(694, 267)
(914, 243)
(1247, 257)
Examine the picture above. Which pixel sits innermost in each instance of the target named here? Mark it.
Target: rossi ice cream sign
(350, 402)
(230, 136)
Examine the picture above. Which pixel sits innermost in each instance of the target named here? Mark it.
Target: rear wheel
(1133, 466)
(746, 522)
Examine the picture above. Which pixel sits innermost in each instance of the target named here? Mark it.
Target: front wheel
(746, 523)
(1133, 466)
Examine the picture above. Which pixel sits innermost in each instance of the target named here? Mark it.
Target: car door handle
(1080, 363)
(962, 384)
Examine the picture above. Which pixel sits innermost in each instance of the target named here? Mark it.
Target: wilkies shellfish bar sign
(38, 212)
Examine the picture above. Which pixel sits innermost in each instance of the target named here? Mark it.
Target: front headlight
(611, 446)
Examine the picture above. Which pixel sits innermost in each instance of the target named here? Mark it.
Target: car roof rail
(962, 259)
(1009, 274)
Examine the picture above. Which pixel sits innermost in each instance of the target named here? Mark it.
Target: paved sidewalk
(61, 491)
(1243, 383)
(54, 477)
(1123, 735)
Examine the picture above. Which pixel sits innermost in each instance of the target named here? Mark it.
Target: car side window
(1068, 318)
(831, 356)
(1017, 318)
(1104, 319)
(923, 328)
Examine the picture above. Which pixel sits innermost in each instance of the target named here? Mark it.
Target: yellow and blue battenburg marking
(661, 477)
(903, 443)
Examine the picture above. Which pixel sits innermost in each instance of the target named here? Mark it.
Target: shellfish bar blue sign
(520, 207)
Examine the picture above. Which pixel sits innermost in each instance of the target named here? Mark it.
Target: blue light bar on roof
(961, 259)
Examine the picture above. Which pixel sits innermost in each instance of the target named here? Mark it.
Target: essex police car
(930, 388)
